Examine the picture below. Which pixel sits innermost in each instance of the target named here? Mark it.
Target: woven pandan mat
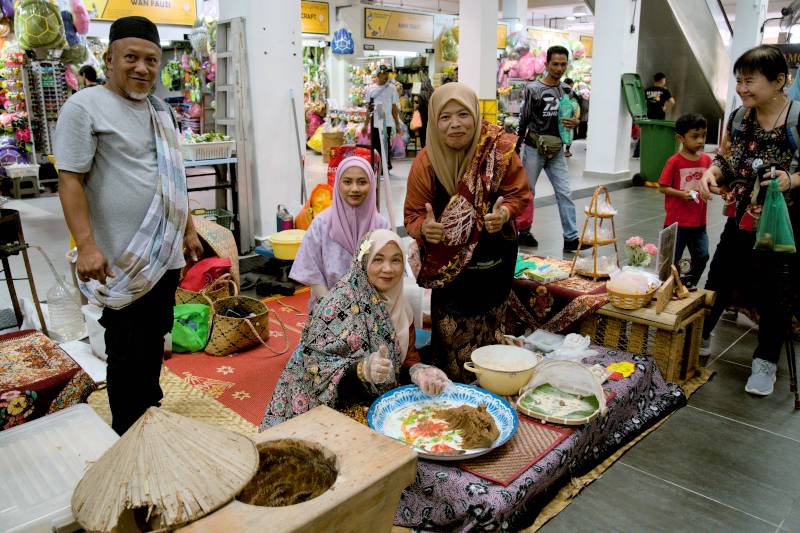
(183, 399)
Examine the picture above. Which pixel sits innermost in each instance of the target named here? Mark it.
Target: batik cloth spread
(37, 378)
(349, 323)
(147, 257)
(446, 498)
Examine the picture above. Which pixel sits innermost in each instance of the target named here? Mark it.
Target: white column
(750, 15)
(515, 14)
(275, 67)
(477, 46)
(352, 18)
(615, 49)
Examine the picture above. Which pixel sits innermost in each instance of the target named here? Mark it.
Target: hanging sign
(175, 12)
(314, 17)
(397, 25)
(546, 38)
(502, 35)
(588, 42)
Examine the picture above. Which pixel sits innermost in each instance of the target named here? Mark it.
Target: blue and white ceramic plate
(400, 409)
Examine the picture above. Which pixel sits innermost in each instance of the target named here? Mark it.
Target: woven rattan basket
(222, 287)
(629, 301)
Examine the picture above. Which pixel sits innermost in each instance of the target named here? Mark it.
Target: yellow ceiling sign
(397, 25)
(314, 17)
(176, 12)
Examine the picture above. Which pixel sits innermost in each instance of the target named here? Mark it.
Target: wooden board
(672, 316)
(372, 469)
(664, 294)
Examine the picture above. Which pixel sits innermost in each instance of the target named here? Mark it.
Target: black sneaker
(571, 245)
(526, 238)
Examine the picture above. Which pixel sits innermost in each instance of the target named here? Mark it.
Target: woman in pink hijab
(332, 240)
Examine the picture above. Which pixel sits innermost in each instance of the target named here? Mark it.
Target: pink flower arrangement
(634, 241)
(639, 254)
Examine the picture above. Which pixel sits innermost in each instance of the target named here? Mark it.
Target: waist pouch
(548, 146)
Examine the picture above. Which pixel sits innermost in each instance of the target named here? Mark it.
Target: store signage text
(397, 25)
(314, 17)
(176, 12)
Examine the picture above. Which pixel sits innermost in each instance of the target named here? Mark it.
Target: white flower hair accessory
(364, 249)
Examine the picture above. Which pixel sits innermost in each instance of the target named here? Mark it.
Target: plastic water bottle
(66, 317)
(64, 308)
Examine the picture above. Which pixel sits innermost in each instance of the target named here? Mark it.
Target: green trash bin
(657, 142)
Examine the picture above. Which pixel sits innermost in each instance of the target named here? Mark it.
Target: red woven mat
(245, 381)
(532, 441)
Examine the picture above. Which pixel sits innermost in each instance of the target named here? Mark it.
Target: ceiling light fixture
(579, 11)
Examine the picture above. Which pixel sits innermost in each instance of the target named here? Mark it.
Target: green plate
(549, 402)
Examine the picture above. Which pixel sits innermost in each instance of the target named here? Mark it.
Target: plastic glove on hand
(430, 379)
(377, 366)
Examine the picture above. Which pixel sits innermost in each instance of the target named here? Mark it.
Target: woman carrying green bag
(190, 328)
(760, 142)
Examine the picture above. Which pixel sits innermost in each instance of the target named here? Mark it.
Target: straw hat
(176, 468)
(220, 240)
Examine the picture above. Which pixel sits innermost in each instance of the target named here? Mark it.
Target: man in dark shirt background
(539, 117)
(659, 99)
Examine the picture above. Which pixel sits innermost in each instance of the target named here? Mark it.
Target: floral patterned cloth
(445, 497)
(750, 147)
(348, 324)
(37, 378)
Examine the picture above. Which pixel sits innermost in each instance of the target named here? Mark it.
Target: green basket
(223, 217)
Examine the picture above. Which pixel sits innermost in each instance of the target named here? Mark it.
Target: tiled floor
(727, 462)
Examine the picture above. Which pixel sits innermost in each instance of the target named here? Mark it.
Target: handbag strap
(283, 327)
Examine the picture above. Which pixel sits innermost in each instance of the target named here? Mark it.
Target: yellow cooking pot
(286, 243)
(503, 369)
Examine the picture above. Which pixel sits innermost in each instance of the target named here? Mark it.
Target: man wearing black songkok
(123, 191)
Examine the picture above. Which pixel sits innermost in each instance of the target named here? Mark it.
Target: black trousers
(762, 279)
(376, 144)
(696, 239)
(135, 349)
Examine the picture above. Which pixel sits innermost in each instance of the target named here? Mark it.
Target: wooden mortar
(371, 473)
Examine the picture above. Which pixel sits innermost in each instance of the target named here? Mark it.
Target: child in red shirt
(680, 184)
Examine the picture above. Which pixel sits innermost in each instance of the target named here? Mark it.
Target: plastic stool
(24, 185)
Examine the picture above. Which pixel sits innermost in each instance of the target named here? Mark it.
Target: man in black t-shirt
(538, 124)
(659, 99)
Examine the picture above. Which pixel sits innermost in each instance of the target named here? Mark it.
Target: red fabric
(244, 382)
(524, 220)
(684, 175)
(204, 272)
(340, 152)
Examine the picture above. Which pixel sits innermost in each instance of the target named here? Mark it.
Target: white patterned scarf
(147, 257)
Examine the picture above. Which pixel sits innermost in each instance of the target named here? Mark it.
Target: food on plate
(552, 401)
(476, 426)
(444, 429)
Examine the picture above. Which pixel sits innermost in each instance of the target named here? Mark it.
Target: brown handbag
(230, 334)
(222, 287)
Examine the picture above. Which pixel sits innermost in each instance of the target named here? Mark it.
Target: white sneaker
(705, 347)
(762, 379)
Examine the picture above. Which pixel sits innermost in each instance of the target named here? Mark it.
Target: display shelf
(46, 91)
(597, 221)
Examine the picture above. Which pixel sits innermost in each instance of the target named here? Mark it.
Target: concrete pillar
(615, 49)
(515, 14)
(274, 67)
(477, 51)
(352, 18)
(750, 15)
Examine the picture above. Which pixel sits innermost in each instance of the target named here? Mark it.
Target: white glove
(377, 366)
(430, 379)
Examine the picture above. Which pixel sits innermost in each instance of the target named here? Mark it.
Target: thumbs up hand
(377, 366)
(494, 221)
(432, 231)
